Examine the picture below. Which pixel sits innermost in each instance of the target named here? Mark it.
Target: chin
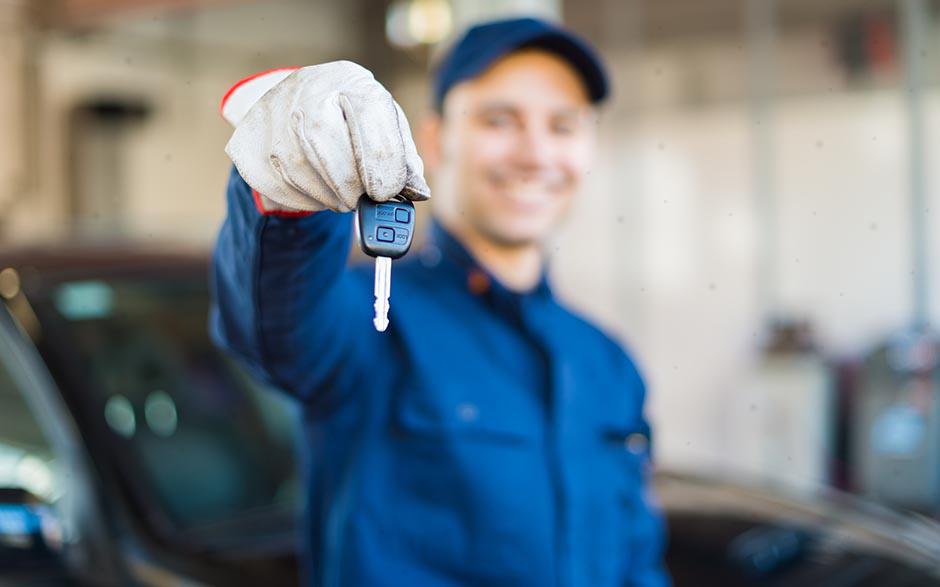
(523, 232)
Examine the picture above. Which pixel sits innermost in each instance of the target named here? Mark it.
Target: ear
(429, 140)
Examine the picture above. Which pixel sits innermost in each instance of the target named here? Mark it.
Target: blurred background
(762, 227)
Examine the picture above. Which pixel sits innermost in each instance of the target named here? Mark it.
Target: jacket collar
(460, 264)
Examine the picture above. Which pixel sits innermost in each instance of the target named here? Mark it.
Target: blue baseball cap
(481, 45)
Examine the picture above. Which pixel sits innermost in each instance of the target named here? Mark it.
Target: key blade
(382, 290)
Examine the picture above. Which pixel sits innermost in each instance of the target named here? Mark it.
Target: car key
(385, 232)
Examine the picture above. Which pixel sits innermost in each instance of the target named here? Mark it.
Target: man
(489, 437)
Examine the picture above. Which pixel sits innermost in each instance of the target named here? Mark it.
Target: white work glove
(322, 137)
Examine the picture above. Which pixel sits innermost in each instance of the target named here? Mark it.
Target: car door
(42, 463)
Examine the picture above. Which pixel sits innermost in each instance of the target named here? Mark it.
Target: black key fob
(386, 229)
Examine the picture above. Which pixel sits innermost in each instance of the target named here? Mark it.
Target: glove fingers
(300, 186)
(324, 141)
(325, 135)
(377, 141)
(416, 188)
(265, 177)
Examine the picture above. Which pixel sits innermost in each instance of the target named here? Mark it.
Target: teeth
(527, 194)
(527, 191)
(530, 197)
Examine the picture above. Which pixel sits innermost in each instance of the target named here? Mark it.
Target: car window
(193, 436)
(26, 458)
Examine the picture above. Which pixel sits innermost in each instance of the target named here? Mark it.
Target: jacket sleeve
(283, 300)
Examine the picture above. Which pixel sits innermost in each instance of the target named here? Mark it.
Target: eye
(498, 120)
(564, 126)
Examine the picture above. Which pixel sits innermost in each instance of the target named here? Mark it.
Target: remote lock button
(402, 215)
(385, 234)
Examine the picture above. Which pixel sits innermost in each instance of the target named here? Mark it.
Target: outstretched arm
(308, 143)
(283, 299)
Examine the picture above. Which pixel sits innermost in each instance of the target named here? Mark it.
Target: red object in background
(880, 42)
(867, 43)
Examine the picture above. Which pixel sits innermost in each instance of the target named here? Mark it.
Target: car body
(741, 533)
(164, 462)
(133, 452)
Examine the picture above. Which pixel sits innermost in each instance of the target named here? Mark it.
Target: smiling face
(512, 148)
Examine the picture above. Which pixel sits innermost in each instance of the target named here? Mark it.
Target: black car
(133, 452)
(137, 452)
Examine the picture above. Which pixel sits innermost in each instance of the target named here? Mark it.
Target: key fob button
(385, 234)
(402, 215)
(385, 212)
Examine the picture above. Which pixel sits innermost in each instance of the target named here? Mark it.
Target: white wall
(664, 248)
(181, 65)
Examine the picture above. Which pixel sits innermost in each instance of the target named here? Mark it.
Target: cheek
(579, 156)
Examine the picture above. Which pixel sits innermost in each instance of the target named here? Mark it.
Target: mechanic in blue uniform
(490, 436)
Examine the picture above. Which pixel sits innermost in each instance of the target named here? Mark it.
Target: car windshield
(197, 442)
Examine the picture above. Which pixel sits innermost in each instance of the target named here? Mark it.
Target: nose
(535, 148)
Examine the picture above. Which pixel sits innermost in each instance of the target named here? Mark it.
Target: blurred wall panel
(100, 134)
(84, 13)
(467, 12)
(844, 249)
(662, 248)
(932, 210)
(776, 423)
(14, 146)
(173, 166)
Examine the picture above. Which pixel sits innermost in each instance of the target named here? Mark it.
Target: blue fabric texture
(487, 438)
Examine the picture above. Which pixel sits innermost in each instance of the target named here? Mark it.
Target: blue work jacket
(486, 438)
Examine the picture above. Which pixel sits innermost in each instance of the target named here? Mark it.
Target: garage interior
(762, 227)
